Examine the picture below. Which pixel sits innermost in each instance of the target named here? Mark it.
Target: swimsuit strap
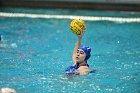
(76, 66)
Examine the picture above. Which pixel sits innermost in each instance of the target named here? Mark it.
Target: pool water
(37, 51)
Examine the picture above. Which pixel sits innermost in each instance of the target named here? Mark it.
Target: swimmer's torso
(78, 70)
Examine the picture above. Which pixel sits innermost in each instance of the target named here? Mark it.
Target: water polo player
(80, 56)
(81, 53)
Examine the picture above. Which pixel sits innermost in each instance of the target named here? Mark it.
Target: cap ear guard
(88, 56)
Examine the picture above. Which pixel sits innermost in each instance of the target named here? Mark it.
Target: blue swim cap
(87, 51)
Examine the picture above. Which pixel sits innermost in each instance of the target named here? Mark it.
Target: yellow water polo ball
(77, 26)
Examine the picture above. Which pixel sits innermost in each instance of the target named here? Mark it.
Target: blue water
(37, 51)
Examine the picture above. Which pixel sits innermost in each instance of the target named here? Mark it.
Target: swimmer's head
(86, 50)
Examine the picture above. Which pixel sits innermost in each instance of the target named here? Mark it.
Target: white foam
(86, 18)
(7, 90)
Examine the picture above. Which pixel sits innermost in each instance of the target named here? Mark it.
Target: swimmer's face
(80, 55)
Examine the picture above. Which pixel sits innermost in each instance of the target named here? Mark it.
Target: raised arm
(76, 48)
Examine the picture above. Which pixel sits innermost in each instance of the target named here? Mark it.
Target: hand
(80, 36)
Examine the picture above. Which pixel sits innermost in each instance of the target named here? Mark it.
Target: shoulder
(83, 70)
